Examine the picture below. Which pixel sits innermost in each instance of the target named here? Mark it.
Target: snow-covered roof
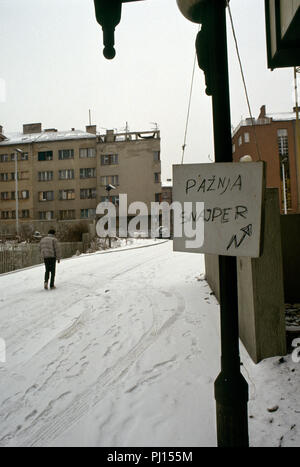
(266, 120)
(44, 137)
(282, 116)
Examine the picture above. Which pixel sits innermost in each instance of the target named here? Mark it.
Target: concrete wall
(290, 242)
(290, 235)
(212, 274)
(260, 289)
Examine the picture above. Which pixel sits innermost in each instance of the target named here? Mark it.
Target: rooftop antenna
(155, 124)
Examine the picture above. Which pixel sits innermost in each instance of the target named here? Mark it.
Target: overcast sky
(53, 71)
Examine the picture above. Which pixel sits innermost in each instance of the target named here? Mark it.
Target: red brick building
(273, 138)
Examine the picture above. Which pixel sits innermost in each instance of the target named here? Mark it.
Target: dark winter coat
(49, 247)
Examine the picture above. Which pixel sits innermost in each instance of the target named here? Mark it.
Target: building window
(87, 173)
(104, 181)
(4, 177)
(13, 176)
(110, 180)
(87, 152)
(45, 155)
(87, 213)
(157, 197)
(24, 156)
(4, 214)
(68, 214)
(67, 174)
(4, 158)
(45, 176)
(240, 141)
(115, 180)
(25, 213)
(46, 215)
(64, 154)
(88, 193)
(5, 196)
(282, 138)
(247, 137)
(157, 177)
(24, 194)
(46, 195)
(156, 155)
(112, 199)
(109, 159)
(233, 148)
(66, 194)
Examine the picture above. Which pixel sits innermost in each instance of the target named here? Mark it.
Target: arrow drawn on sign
(247, 232)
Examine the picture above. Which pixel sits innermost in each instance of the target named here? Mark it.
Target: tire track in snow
(82, 404)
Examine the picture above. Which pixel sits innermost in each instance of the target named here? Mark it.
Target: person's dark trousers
(50, 269)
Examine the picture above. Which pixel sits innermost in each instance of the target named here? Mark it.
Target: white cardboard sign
(232, 194)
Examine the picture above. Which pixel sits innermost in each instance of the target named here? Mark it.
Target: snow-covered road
(96, 360)
(123, 353)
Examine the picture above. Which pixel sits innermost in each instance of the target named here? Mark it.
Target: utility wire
(243, 78)
(245, 88)
(189, 107)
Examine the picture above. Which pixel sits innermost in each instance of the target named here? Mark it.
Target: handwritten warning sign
(224, 200)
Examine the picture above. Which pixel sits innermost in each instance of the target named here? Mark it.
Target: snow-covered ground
(125, 353)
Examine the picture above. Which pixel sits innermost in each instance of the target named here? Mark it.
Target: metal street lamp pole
(16, 194)
(231, 389)
(108, 189)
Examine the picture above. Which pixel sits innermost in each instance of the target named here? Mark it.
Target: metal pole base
(232, 415)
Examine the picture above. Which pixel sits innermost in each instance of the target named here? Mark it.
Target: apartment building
(62, 175)
(273, 138)
(167, 191)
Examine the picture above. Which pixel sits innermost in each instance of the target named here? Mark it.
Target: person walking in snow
(50, 253)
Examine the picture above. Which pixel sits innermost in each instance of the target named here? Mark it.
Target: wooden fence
(19, 256)
(6, 259)
(13, 256)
